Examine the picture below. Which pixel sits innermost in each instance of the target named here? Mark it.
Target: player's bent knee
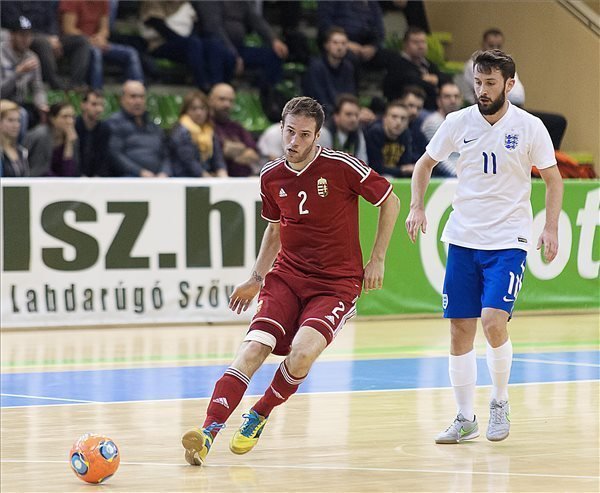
(300, 360)
(255, 349)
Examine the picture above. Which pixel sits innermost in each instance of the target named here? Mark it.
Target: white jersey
(491, 207)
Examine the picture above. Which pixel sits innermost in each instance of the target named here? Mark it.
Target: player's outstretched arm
(554, 196)
(418, 186)
(245, 292)
(388, 213)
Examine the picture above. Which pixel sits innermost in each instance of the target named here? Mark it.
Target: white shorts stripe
(320, 321)
(270, 321)
(345, 318)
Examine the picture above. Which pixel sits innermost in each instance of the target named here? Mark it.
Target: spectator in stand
(13, 157)
(53, 147)
(332, 73)
(343, 132)
(195, 148)
(413, 97)
(136, 146)
(389, 144)
(93, 135)
(20, 74)
(448, 101)
(556, 124)
(90, 19)
(363, 23)
(414, 68)
(238, 145)
(47, 44)
(169, 31)
(231, 22)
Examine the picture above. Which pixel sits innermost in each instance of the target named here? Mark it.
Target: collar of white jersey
(500, 122)
(298, 173)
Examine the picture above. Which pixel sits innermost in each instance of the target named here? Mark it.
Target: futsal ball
(94, 458)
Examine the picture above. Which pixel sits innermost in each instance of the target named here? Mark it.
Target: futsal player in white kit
(488, 232)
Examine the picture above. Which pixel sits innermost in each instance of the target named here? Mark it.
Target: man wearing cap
(20, 73)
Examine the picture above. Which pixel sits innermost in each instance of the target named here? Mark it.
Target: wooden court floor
(365, 421)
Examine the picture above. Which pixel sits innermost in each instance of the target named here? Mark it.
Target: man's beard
(494, 107)
(221, 116)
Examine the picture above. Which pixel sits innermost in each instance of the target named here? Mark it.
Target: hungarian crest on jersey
(322, 188)
(511, 141)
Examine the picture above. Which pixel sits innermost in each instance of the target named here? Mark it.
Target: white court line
(332, 392)
(47, 398)
(328, 468)
(552, 362)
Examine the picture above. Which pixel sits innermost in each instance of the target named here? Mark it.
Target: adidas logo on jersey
(222, 401)
(282, 193)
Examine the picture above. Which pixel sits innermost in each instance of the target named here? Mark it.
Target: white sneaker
(460, 430)
(499, 424)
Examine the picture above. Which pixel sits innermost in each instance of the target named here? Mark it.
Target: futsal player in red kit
(308, 273)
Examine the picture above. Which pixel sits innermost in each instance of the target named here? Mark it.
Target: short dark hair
(305, 106)
(344, 98)
(333, 30)
(90, 92)
(413, 30)
(393, 104)
(486, 61)
(417, 91)
(492, 31)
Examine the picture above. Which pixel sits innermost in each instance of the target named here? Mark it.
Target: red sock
(228, 393)
(284, 384)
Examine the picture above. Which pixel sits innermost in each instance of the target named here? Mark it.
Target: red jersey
(318, 211)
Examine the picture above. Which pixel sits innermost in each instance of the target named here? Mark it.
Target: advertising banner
(125, 251)
(415, 272)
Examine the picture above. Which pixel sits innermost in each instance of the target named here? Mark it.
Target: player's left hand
(549, 239)
(243, 294)
(373, 278)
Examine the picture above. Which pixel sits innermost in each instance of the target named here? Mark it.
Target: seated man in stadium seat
(332, 73)
(20, 73)
(555, 123)
(449, 100)
(389, 143)
(363, 24)
(414, 68)
(47, 44)
(136, 146)
(343, 132)
(239, 147)
(93, 135)
(90, 19)
(413, 97)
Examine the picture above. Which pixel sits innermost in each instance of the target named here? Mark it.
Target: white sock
(463, 376)
(499, 361)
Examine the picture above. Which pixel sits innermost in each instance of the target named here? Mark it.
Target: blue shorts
(477, 279)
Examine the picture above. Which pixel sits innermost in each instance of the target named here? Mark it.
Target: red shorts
(288, 301)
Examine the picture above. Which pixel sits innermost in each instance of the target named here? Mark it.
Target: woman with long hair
(195, 148)
(13, 156)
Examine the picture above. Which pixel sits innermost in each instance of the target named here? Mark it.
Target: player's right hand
(416, 220)
(243, 294)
